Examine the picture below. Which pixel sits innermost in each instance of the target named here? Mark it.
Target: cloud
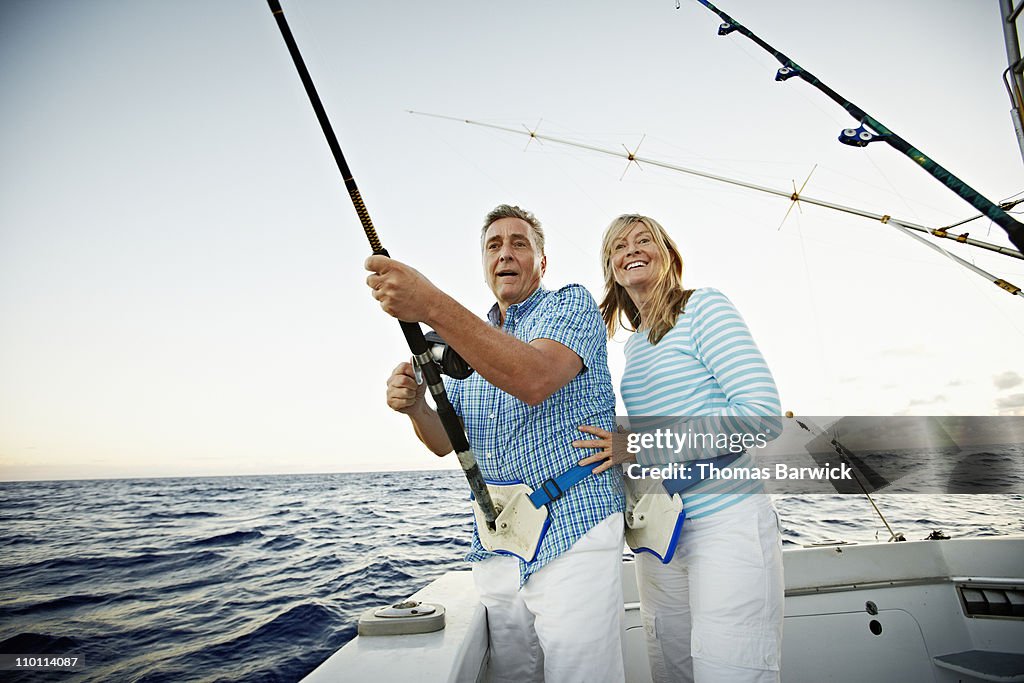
(939, 398)
(1011, 405)
(1007, 380)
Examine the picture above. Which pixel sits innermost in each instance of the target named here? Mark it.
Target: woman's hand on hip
(610, 448)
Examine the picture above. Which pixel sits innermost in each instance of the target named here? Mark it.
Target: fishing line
(828, 115)
(684, 153)
(551, 153)
(823, 363)
(477, 168)
(892, 185)
(558, 154)
(1009, 319)
(1003, 284)
(848, 178)
(582, 190)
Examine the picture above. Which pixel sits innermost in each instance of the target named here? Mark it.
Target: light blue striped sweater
(706, 366)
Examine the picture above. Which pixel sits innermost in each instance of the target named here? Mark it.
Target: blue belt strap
(552, 489)
(674, 486)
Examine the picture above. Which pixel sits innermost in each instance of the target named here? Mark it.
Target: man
(541, 371)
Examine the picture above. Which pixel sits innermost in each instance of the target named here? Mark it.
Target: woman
(714, 612)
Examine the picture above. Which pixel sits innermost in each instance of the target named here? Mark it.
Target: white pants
(714, 613)
(565, 623)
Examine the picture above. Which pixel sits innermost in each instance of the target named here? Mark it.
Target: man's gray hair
(509, 211)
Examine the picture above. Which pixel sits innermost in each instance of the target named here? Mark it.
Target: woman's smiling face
(636, 260)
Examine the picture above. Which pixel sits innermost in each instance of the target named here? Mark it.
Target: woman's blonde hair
(668, 298)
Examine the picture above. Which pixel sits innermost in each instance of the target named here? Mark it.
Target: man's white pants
(714, 613)
(565, 623)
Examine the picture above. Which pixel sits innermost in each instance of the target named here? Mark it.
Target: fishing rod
(412, 331)
(857, 466)
(872, 130)
(904, 226)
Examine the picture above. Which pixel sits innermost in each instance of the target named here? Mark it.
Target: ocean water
(261, 578)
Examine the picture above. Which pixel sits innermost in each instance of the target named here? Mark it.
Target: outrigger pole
(412, 331)
(871, 130)
(900, 224)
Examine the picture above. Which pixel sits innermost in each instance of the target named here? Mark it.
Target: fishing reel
(858, 137)
(450, 362)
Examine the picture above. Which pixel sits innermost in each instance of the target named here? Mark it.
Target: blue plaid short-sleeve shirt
(515, 442)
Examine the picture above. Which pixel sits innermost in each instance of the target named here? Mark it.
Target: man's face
(513, 266)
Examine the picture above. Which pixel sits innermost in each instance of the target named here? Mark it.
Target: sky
(181, 280)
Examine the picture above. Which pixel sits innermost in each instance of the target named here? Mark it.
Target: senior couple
(541, 401)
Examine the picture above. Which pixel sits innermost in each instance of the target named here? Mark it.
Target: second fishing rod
(872, 130)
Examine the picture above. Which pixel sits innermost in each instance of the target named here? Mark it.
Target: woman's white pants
(714, 613)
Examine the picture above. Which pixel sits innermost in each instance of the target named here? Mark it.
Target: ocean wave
(186, 514)
(59, 565)
(369, 572)
(284, 543)
(18, 539)
(66, 602)
(230, 538)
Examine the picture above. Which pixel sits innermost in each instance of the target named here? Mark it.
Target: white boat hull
(876, 612)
